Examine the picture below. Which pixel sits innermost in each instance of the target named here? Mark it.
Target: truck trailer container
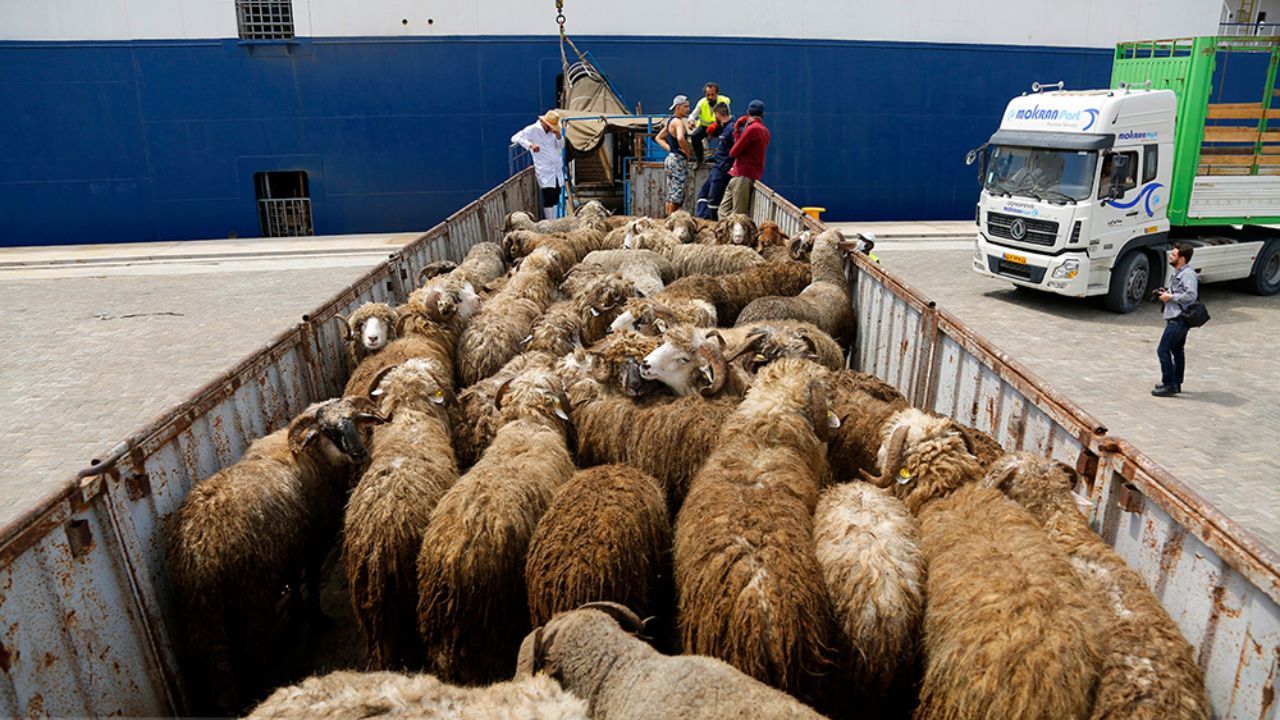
(1083, 191)
(87, 626)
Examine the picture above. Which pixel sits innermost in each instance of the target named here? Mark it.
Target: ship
(137, 120)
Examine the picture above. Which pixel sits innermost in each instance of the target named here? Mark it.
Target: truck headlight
(1068, 269)
(977, 254)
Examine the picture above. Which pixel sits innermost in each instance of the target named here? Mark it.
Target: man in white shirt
(544, 141)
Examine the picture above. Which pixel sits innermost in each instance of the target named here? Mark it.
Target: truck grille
(1039, 232)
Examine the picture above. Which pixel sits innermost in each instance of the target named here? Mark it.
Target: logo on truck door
(1148, 194)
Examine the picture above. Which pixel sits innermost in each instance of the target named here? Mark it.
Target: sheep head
(370, 328)
(601, 304)
(593, 211)
(416, 384)
(439, 267)
(337, 427)
(616, 362)
(689, 360)
(519, 243)
(771, 236)
(644, 316)
(683, 226)
(518, 220)
(633, 230)
(444, 298)
(769, 344)
(543, 649)
(1042, 486)
(801, 245)
(737, 229)
(795, 386)
(537, 395)
(923, 457)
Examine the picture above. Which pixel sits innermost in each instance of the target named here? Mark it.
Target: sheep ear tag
(438, 397)
(833, 420)
(904, 477)
(560, 413)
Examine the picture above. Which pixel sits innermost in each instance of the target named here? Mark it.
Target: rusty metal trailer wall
(1218, 582)
(85, 624)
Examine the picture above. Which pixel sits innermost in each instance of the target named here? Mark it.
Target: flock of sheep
(615, 468)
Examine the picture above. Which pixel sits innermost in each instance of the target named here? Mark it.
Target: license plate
(1019, 259)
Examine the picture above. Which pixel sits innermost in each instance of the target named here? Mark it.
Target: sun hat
(551, 118)
(677, 101)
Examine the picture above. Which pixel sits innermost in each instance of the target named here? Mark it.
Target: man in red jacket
(751, 140)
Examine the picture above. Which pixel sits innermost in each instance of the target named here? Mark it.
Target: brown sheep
(252, 528)
(773, 244)
(475, 417)
(591, 212)
(1148, 668)
(826, 302)
(647, 270)
(737, 229)
(410, 469)
(732, 292)
(495, 333)
(419, 338)
(864, 404)
(471, 594)
(767, 342)
(750, 590)
(483, 265)
(1009, 630)
(606, 536)
(581, 320)
(594, 653)
(869, 548)
(650, 317)
(683, 225)
(711, 259)
(574, 244)
(346, 695)
(369, 329)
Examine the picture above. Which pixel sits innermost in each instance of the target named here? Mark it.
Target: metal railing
(289, 217)
(265, 19)
(1253, 29)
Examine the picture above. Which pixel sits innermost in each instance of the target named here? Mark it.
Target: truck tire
(1266, 279)
(1129, 280)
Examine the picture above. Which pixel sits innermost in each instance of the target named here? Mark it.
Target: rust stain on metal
(1172, 549)
(6, 658)
(1268, 699)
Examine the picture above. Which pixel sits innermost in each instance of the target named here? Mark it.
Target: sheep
(826, 302)
(369, 329)
(683, 225)
(251, 528)
(773, 244)
(651, 317)
(695, 359)
(576, 244)
(732, 292)
(483, 264)
(1009, 630)
(711, 259)
(1148, 669)
(737, 229)
(494, 335)
(581, 320)
(606, 536)
(643, 233)
(345, 695)
(449, 300)
(984, 447)
(868, 546)
(474, 419)
(594, 653)
(647, 270)
(411, 467)
(471, 594)
(614, 363)
(419, 338)
(592, 211)
(864, 404)
(750, 590)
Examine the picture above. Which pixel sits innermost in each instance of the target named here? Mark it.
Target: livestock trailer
(86, 621)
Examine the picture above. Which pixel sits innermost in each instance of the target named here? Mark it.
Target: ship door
(284, 203)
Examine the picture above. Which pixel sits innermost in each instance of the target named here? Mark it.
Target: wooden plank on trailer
(1240, 111)
(1230, 134)
(1226, 159)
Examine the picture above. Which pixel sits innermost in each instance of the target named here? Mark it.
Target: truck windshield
(1040, 173)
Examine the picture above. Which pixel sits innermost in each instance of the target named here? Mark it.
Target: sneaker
(1165, 390)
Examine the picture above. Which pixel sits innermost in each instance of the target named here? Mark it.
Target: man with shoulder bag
(1182, 311)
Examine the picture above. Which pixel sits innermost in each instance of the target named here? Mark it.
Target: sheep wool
(623, 678)
(471, 594)
(750, 590)
(606, 536)
(346, 695)
(864, 404)
(1148, 667)
(868, 546)
(1008, 629)
(411, 467)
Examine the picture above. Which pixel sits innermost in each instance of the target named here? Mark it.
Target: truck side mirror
(978, 155)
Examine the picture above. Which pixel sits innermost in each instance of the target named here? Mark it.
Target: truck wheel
(1129, 280)
(1267, 280)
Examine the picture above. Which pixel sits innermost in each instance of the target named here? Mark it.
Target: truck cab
(1071, 181)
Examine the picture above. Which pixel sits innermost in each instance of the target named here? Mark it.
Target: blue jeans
(1173, 359)
(711, 193)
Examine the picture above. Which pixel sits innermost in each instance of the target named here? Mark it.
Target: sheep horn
(502, 390)
(625, 618)
(440, 267)
(367, 411)
(719, 338)
(970, 442)
(664, 314)
(302, 432)
(377, 379)
(719, 370)
(752, 344)
(818, 411)
(893, 458)
(346, 327)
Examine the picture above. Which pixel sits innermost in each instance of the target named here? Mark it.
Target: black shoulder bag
(1196, 314)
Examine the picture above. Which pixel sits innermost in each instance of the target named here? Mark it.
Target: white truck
(1083, 192)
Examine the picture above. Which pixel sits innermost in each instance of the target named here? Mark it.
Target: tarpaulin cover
(593, 109)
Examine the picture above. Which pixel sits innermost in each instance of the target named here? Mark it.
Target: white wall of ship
(1073, 23)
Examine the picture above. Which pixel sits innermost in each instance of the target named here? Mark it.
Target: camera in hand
(1155, 294)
